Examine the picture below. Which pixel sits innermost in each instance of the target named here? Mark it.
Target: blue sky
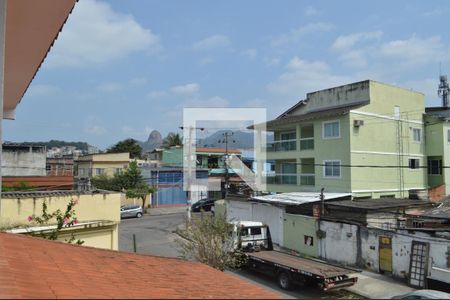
(123, 68)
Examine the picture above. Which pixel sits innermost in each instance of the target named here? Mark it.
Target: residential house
(23, 160)
(98, 214)
(60, 166)
(88, 166)
(211, 160)
(373, 234)
(365, 138)
(37, 268)
(437, 134)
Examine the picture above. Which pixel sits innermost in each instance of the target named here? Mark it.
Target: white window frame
(420, 164)
(331, 137)
(414, 135)
(332, 161)
(448, 136)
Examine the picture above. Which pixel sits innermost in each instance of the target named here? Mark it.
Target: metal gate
(385, 253)
(418, 265)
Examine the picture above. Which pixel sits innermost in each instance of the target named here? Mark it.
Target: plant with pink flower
(30, 218)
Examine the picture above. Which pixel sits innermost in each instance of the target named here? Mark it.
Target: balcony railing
(282, 179)
(283, 145)
(304, 179)
(307, 179)
(307, 144)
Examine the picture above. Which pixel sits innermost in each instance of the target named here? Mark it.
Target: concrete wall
(250, 211)
(340, 242)
(104, 237)
(91, 207)
(23, 161)
(347, 245)
(338, 96)
(296, 227)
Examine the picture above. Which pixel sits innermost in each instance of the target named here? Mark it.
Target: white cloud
(255, 103)
(311, 11)
(127, 130)
(357, 49)
(272, 61)
(250, 53)
(138, 81)
(212, 42)
(301, 77)
(42, 90)
(95, 130)
(346, 42)
(109, 87)
(428, 86)
(96, 34)
(189, 88)
(416, 51)
(206, 60)
(295, 35)
(157, 94)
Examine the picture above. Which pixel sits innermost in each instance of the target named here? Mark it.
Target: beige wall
(90, 207)
(135, 201)
(108, 162)
(104, 237)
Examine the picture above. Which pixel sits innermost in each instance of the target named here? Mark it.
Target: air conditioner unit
(358, 123)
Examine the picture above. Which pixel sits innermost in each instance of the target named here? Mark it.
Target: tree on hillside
(172, 139)
(128, 145)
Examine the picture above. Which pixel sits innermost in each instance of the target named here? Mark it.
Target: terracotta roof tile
(35, 268)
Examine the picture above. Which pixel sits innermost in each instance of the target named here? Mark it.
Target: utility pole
(226, 135)
(189, 161)
(322, 202)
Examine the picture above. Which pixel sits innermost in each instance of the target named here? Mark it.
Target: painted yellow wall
(104, 237)
(107, 161)
(91, 207)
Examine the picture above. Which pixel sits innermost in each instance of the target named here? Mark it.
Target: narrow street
(154, 235)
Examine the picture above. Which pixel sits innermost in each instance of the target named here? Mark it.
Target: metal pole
(226, 164)
(134, 243)
(322, 200)
(191, 129)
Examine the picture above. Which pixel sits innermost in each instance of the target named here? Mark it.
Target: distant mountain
(239, 140)
(154, 140)
(56, 143)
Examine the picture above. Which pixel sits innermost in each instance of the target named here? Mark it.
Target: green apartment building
(366, 138)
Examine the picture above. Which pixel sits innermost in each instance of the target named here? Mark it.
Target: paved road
(154, 235)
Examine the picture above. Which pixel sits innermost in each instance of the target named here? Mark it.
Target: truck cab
(250, 236)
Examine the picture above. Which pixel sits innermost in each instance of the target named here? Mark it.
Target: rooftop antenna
(443, 89)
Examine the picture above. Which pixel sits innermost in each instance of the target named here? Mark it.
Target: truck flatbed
(299, 264)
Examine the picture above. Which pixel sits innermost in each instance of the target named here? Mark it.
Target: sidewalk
(376, 286)
(157, 211)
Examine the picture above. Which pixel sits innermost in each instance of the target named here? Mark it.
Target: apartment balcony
(307, 144)
(282, 145)
(289, 182)
(308, 179)
(282, 179)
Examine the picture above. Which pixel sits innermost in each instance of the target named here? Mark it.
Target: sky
(121, 69)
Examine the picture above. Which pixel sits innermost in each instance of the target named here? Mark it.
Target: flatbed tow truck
(253, 238)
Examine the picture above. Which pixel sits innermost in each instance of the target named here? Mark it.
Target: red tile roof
(35, 268)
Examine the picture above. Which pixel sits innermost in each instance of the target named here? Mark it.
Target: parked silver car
(130, 211)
